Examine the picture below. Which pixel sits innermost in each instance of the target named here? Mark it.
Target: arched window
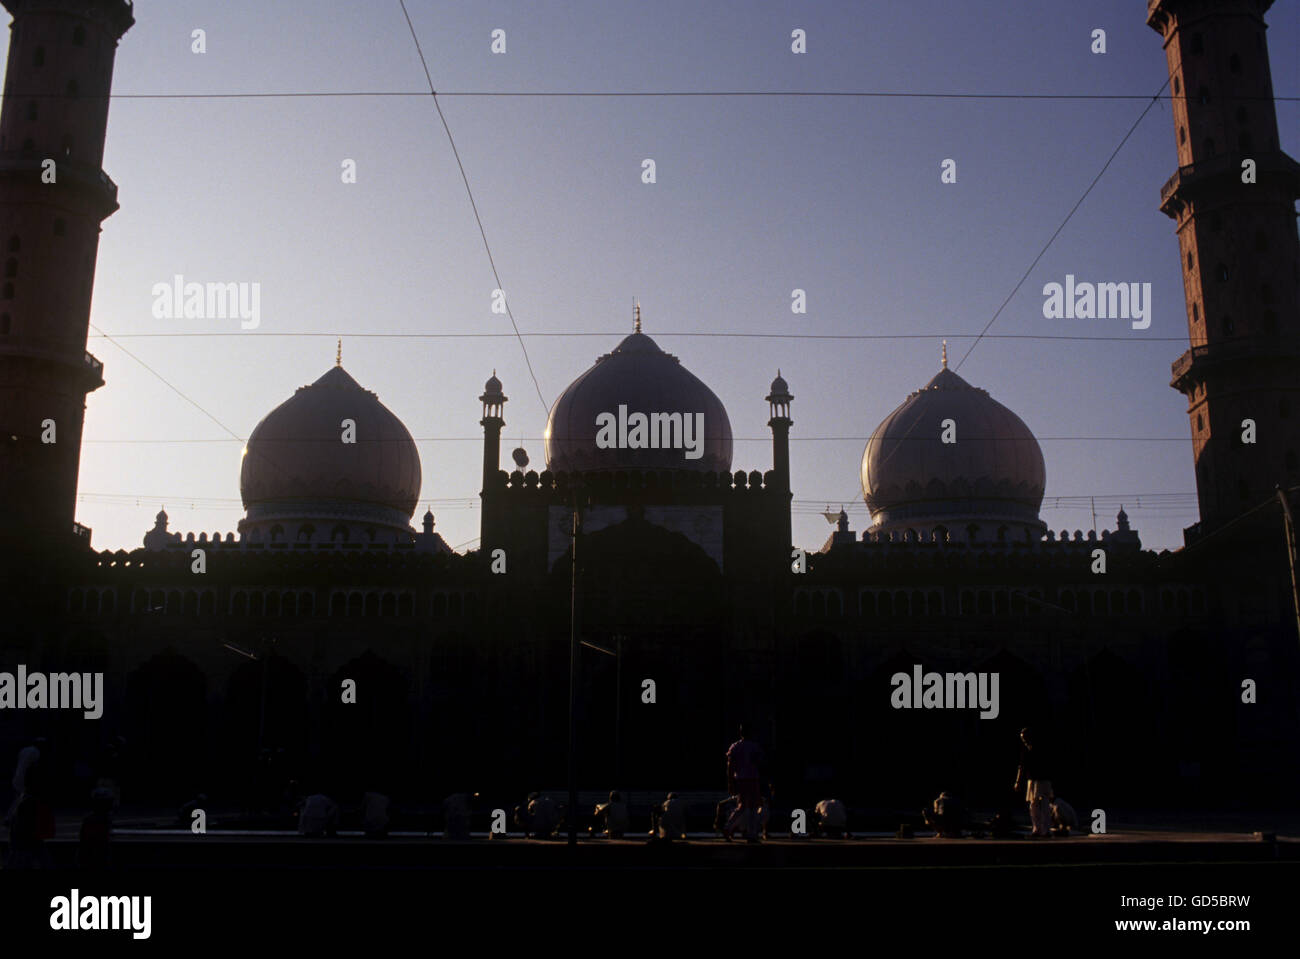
(1191, 260)
(1200, 424)
(339, 534)
(1178, 87)
(305, 533)
(277, 533)
(1182, 134)
(1196, 313)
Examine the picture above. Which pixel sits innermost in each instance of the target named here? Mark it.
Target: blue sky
(755, 197)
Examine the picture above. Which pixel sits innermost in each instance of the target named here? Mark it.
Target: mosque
(639, 540)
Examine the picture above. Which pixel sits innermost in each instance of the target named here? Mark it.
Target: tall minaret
(53, 197)
(1233, 200)
(778, 401)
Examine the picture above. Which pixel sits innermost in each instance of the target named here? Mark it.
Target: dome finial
(338, 357)
(944, 354)
(636, 314)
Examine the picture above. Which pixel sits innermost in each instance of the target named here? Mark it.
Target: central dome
(638, 408)
(299, 468)
(992, 474)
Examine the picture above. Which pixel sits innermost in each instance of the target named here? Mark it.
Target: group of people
(1049, 815)
(746, 810)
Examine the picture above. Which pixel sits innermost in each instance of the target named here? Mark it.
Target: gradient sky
(755, 196)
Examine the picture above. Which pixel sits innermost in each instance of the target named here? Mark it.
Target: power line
(167, 384)
(474, 206)
(694, 333)
(1052, 239)
(592, 94)
(735, 439)
(1043, 251)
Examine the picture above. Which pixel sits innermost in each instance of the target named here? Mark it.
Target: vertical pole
(261, 708)
(618, 711)
(573, 679)
(1288, 523)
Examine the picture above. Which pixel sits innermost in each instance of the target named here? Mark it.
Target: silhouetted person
(32, 823)
(319, 816)
(946, 816)
(96, 831)
(28, 757)
(543, 817)
(744, 757)
(832, 818)
(456, 812)
(668, 820)
(1036, 777)
(613, 815)
(1064, 818)
(186, 813)
(374, 814)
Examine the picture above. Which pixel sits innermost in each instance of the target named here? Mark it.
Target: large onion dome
(593, 424)
(992, 476)
(300, 475)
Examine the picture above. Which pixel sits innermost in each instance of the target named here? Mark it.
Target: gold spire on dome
(338, 357)
(636, 314)
(944, 354)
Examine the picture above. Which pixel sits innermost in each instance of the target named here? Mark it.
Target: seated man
(946, 816)
(613, 815)
(374, 815)
(832, 818)
(1064, 818)
(670, 818)
(542, 816)
(319, 816)
(456, 810)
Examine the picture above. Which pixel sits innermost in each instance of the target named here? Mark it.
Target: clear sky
(838, 196)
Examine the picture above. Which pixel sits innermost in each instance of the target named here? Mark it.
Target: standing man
(1035, 775)
(743, 760)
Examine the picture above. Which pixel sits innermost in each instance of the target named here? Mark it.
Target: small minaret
(493, 401)
(779, 407)
(1232, 199)
(53, 197)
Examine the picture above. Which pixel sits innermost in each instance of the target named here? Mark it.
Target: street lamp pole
(618, 711)
(573, 678)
